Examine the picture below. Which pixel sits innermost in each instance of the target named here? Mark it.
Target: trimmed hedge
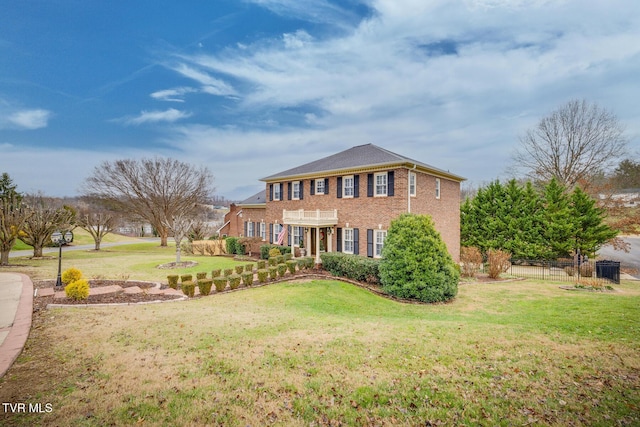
(204, 285)
(220, 283)
(247, 278)
(201, 275)
(234, 281)
(291, 265)
(186, 278)
(263, 275)
(273, 272)
(264, 250)
(216, 273)
(173, 281)
(353, 267)
(189, 288)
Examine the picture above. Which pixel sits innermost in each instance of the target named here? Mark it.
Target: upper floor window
(319, 186)
(276, 192)
(412, 183)
(381, 184)
(437, 188)
(296, 190)
(347, 186)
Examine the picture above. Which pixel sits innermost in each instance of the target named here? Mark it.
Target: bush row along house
(345, 203)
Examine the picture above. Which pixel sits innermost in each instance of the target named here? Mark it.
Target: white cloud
(209, 83)
(173, 95)
(171, 115)
(27, 119)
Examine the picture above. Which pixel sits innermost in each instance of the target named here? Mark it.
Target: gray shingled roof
(367, 155)
(257, 199)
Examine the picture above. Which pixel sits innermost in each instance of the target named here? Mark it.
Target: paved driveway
(628, 260)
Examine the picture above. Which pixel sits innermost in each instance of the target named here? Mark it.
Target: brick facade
(361, 218)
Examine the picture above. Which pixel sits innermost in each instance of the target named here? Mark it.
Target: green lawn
(329, 353)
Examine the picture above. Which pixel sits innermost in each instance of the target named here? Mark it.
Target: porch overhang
(310, 218)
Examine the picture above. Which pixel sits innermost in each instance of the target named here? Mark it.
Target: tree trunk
(97, 244)
(177, 254)
(4, 258)
(37, 251)
(163, 239)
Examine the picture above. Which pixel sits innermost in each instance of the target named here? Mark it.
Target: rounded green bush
(239, 269)
(216, 273)
(248, 268)
(282, 269)
(263, 275)
(228, 272)
(186, 278)
(204, 286)
(201, 275)
(291, 265)
(415, 262)
(189, 288)
(273, 272)
(220, 283)
(247, 278)
(173, 281)
(234, 281)
(262, 264)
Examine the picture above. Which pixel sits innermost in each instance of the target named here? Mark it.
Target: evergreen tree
(590, 232)
(12, 217)
(558, 221)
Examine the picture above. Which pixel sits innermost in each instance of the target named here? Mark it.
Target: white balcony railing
(310, 217)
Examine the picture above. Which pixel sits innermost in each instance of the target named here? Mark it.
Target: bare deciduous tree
(12, 217)
(179, 226)
(572, 144)
(43, 220)
(155, 190)
(98, 223)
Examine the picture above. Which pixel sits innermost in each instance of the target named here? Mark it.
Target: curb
(19, 332)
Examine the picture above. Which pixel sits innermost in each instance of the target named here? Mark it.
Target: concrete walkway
(16, 308)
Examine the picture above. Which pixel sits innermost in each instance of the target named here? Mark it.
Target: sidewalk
(16, 308)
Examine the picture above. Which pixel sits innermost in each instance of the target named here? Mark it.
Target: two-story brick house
(345, 202)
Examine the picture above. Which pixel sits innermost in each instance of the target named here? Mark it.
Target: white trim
(376, 185)
(344, 186)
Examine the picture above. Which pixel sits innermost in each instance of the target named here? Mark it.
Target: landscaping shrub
(186, 248)
(586, 270)
(71, 275)
(201, 275)
(228, 272)
(291, 265)
(204, 285)
(263, 275)
(273, 261)
(220, 283)
(251, 245)
(353, 267)
(247, 278)
(267, 251)
(471, 259)
(287, 256)
(77, 290)
(189, 288)
(186, 278)
(499, 262)
(248, 268)
(216, 273)
(415, 262)
(234, 281)
(232, 245)
(280, 259)
(262, 264)
(273, 272)
(239, 269)
(569, 270)
(282, 269)
(173, 281)
(274, 252)
(309, 262)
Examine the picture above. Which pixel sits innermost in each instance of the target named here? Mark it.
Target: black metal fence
(567, 270)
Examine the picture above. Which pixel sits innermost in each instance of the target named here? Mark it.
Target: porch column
(307, 242)
(318, 261)
(329, 240)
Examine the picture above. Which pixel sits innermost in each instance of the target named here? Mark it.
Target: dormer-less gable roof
(361, 157)
(257, 200)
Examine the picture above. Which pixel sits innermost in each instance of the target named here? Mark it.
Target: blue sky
(252, 87)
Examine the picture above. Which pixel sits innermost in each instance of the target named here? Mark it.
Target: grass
(329, 353)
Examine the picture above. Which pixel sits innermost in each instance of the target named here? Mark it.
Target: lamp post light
(60, 238)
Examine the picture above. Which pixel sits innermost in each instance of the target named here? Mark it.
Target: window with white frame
(437, 188)
(347, 186)
(250, 230)
(412, 183)
(298, 235)
(379, 236)
(263, 231)
(296, 190)
(347, 244)
(277, 228)
(381, 184)
(276, 192)
(319, 186)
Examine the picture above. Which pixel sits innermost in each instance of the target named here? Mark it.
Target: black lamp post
(60, 238)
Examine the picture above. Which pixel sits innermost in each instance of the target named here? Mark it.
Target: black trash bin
(608, 270)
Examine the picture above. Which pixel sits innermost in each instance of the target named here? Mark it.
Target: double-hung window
(381, 184)
(437, 188)
(263, 231)
(250, 230)
(319, 186)
(412, 184)
(296, 190)
(348, 240)
(347, 186)
(276, 192)
(298, 234)
(379, 236)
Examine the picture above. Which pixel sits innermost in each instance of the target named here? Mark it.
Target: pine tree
(590, 232)
(558, 221)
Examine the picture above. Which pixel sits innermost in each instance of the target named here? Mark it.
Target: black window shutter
(326, 186)
(270, 233)
(281, 191)
(390, 183)
(339, 239)
(313, 187)
(246, 226)
(289, 191)
(301, 188)
(256, 229)
(370, 185)
(288, 235)
(370, 243)
(270, 192)
(339, 188)
(356, 186)
(356, 241)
